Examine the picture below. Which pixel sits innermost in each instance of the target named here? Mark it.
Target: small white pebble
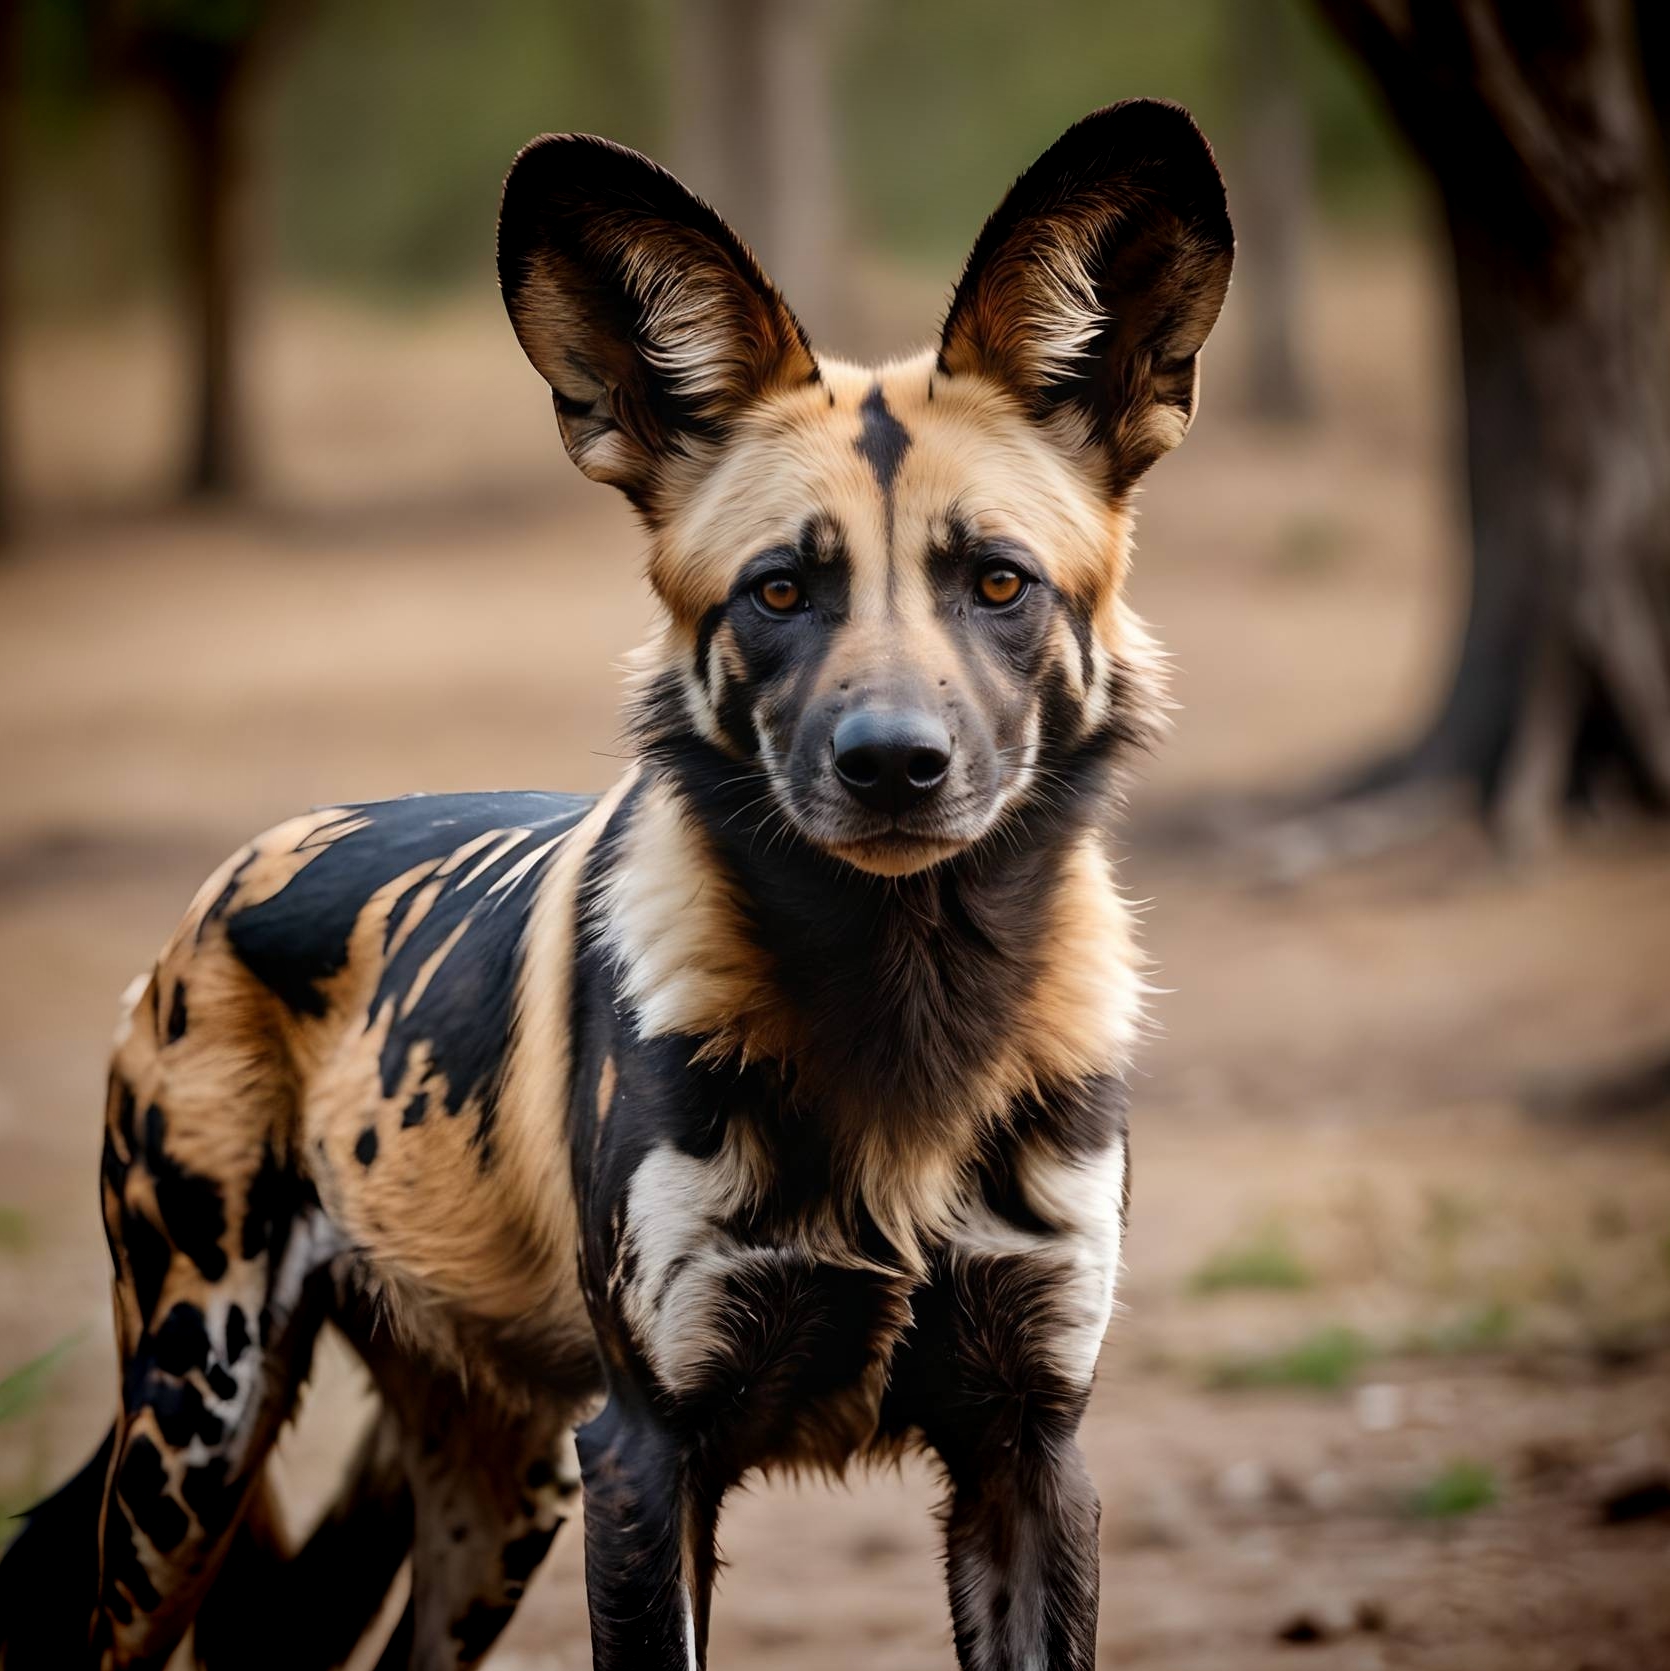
(1244, 1484)
(1379, 1407)
(1325, 1491)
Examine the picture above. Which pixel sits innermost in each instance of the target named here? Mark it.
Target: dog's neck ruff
(913, 1015)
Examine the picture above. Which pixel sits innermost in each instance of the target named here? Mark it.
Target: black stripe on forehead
(882, 441)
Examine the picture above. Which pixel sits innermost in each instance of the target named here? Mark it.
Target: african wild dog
(767, 1111)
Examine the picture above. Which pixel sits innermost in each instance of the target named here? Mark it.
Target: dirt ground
(1390, 1343)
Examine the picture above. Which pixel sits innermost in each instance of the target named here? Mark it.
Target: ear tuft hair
(1090, 291)
(647, 315)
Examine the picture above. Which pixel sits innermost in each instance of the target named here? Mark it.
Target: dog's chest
(779, 1331)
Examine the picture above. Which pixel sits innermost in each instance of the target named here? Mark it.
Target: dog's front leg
(649, 1541)
(1021, 1556)
(986, 1382)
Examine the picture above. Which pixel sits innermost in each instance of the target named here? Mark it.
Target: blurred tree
(1270, 186)
(754, 131)
(1543, 125)
(10, 22)
(203, 58)
(395, 120)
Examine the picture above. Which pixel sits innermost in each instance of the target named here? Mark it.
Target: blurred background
(286, 522)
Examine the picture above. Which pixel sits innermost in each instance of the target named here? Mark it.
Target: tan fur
(971, 446)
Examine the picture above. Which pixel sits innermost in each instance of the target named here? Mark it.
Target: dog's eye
(1000, 585)
(779, 594)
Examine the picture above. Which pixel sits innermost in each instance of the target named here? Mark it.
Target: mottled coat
(766, 1112)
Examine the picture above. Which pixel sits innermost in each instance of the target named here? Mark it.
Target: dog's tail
(49, 1576)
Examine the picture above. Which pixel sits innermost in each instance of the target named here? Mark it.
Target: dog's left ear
(647, 315)
(1089, 293)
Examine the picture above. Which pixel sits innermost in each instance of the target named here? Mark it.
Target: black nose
(891, 759)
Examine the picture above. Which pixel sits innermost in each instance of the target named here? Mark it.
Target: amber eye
(1000, 585)
(780, 594)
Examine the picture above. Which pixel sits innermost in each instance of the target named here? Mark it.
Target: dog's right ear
(647, 315)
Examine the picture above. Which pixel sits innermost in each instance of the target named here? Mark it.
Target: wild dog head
(893, 596)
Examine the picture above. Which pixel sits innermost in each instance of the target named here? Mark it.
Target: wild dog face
(893, 595)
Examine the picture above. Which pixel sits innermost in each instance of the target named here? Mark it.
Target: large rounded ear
(1089, 293)
(643, 310)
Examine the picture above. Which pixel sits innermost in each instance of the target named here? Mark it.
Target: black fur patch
(237, 1333)
(477, 1631)
(177, 1014)
(1074, 1120)
(143, 1483)
(522, 1555)
(277, 1198)
(112, 1167)
(797, 1335)
(190, 1205)
(181, 1413)
(882, 441)
(137, 1247)
(365, 1148)
(1079, 1119)
(295, 941)
(210, 1496)
(122, 1564)
(181, 1343)
(974, 1373)
(148, 1257)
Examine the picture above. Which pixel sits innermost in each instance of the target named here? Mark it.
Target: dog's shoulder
(293, 901)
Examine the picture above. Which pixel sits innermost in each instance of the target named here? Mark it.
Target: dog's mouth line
(891, 835)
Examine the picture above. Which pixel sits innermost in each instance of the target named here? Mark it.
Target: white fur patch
(1082, 1202)
(674, 1207)
(1084, 1199)
(129, 1002)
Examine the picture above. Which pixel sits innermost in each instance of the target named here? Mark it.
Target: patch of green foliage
(1265, 1261)
(1484, 1328)
(21, 1390)
(1461, 1488)
(14, 1230)
(1323, 1361)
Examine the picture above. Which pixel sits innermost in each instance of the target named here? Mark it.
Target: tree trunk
(207, 117)
(1271, 190)
(1535, 123)
(205, 62)
(754, 131)
(1563, 678)
(9, 122)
